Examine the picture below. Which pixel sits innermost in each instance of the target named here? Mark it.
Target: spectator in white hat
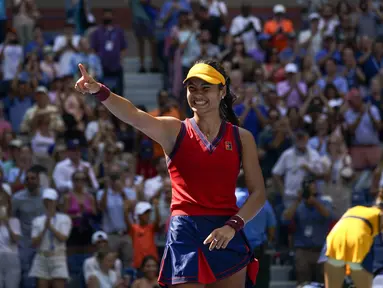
(279, 27)
(49, 235)
(311, 39)
(91, 265)
(42, 105)
(292, 91)
(10, 232)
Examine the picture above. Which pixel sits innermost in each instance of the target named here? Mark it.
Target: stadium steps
(141, 89)
(283, 284)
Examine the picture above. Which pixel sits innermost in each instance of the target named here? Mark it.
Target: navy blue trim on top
(177, 145)
(238, 142)
(209, 146)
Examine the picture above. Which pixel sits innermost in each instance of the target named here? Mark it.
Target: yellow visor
(206, 73)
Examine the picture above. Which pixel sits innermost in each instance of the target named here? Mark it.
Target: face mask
(107, 21)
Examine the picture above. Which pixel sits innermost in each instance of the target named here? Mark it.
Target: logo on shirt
(228, 146)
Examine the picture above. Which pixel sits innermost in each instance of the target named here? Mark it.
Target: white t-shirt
(61, 222)
(316, 42)
(106, 281)
(41, 144)
(91, 266)
(216, 8)
(66, 57)
(151, 186)
(13, 55)
(239, 24)
(6, 244)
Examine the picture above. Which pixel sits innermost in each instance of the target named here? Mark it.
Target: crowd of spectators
(84, 198)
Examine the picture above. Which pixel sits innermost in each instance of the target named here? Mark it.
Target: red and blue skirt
(187, 260)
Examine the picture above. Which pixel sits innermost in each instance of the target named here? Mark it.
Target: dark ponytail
(226, 105)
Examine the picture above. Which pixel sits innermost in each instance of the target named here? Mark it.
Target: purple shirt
(108, 44)
(293, 99)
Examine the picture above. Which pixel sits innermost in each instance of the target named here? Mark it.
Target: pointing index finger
(83, 71)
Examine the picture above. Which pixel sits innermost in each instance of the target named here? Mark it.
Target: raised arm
(163, 130)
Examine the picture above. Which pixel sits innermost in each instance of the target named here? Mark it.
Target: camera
(306, 189)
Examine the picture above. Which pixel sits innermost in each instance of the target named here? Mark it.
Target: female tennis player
(350, 243)
(205, 244)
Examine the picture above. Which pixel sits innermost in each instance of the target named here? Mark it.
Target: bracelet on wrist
(103, 93)
(236, 222)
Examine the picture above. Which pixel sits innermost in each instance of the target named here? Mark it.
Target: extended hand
(220, 237)
(86, 84)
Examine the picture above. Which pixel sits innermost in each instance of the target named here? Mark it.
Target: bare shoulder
(172, 126)
(246, 137)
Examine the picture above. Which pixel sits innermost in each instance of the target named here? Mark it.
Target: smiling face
(204, 97)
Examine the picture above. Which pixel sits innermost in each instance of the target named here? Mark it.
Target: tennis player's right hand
(86, 84)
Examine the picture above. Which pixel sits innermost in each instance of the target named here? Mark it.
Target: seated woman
(349, 243)
(106, 276)
(149, 270)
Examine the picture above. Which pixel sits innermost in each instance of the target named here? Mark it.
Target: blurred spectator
(114, 201)
(102, 119)
(251, 114)
(260, 232)
(26, 206)
(80, 205)
(311, 39)
(149, 270)
(41, 107)
(207, 49)
(25, 14)
(109, 42)
(65, 46)
(292, 91)
(309, 73)
(143, 18)
(246, 26)
(363, 127)
(62, 173)
(370, 57)
(294, 52)
(88, 58)
(274, 139)
(217, 11)
(293, 165)
(274, 71)
(311, 217)
(11, 55)
(48, 65)
(328, 51)
(353, 74)
(3, 20)
(17, 174)
(329, 20)
(279, 27)
(91, 265)
(5, 126)
(143, 231)
(105, 277)
(10, 233)
(332, 77)
(49, 234)
(340, 176)
(153, 186)
(369, 19)
(37, 44)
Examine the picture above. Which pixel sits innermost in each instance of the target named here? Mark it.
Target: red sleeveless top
(204, 174)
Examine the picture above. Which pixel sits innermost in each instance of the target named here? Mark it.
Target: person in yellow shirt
(349, 243)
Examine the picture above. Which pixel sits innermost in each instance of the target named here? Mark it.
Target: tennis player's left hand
(220, 237)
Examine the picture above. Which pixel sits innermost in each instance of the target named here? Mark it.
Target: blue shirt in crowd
(311, 227)
(256, 229)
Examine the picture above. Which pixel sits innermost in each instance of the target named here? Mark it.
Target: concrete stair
(141, 89)
(280, 277)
